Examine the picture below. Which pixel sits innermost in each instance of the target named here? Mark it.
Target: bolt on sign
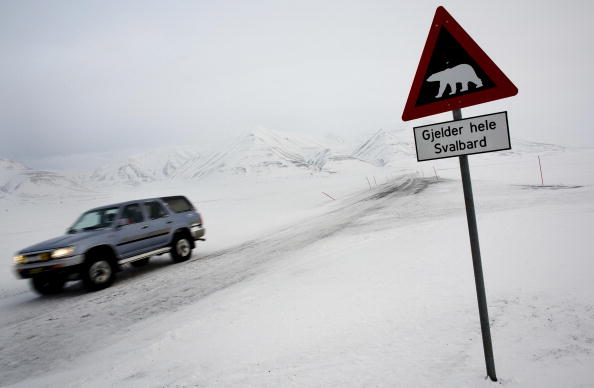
(453, 73)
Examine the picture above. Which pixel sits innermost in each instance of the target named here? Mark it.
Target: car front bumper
(65, 266)
(197, 232)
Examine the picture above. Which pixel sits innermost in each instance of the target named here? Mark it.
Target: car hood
(60, 242)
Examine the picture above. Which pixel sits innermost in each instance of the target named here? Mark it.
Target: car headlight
(62, 252)
(20, 259)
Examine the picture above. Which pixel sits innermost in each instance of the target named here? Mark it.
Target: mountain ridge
(257, 152)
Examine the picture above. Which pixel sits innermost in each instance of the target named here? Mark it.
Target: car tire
(140, 263)
(98, 273)
(181, 248)
(47, 285)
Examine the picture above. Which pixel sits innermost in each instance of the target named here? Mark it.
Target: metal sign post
(453, 73)
(476, 261)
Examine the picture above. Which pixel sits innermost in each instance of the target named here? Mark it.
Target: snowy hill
(149, 166)
(387, 148)
(261, 151)
(18, 180)
(10, 165)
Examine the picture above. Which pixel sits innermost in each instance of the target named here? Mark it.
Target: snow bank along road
(42, 334)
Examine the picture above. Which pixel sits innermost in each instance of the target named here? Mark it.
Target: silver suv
(103, 239)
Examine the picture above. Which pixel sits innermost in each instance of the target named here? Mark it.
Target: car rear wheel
(181, 248)
(47, 285)
(98, 273)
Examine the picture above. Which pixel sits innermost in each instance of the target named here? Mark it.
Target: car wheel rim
(100, 272)
(183, 247)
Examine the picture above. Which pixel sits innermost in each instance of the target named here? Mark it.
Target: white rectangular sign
(474, 135)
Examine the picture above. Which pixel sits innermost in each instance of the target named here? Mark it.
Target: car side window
(133, 214)
(178, 204)
(154, 210)
(108, 216)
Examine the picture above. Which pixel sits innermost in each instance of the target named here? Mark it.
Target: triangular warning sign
(453, 73)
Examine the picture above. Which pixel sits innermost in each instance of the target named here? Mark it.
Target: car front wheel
(181, 248)
(98, 273)
(47, 285)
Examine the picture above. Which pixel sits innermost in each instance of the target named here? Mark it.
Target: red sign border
(503, 85)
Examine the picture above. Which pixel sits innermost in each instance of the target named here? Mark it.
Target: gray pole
(476, 261)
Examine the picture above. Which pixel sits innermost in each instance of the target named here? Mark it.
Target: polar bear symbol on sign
(460, 74)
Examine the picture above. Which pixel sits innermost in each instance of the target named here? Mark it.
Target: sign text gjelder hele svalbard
(474, 135)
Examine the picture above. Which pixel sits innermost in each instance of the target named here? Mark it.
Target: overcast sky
(90, 76)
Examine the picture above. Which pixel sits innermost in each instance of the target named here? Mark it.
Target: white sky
(93, 76)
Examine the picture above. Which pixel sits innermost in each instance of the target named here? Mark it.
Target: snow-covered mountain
(260, 151)
(10, 165)
(386, 148)
(18, 180)
(149, 166)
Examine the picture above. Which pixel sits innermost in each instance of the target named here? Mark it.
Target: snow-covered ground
(292, 288)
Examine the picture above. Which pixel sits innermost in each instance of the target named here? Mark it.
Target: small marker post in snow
(540, 166)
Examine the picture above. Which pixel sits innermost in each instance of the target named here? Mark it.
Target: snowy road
(40, 334)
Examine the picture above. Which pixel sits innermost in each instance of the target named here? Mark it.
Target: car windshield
(95, 219)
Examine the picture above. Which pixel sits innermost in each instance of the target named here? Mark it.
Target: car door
(132, 231)
(159, 223)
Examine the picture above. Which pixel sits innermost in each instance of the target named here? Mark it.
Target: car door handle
(144, 227)
(170, 222)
